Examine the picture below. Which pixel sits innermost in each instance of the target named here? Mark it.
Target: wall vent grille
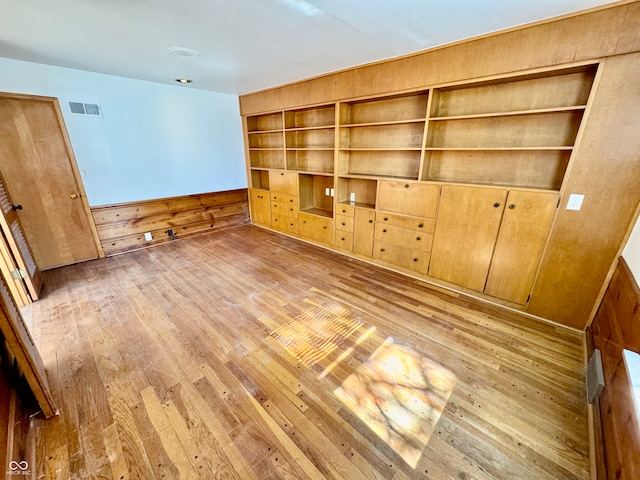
(80, 108)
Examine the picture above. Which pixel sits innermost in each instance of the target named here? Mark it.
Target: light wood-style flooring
(163, 365)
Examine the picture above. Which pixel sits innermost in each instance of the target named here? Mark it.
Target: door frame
(72, 160)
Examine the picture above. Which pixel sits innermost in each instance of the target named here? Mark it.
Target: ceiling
(248, 45)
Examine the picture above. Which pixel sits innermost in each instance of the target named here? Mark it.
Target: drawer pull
(325, 227)
(512, 206)
(415, 259)
(496, 204)
(342, 238)
(406, 185)
(418, 238)
(385, 219)
(344, 211)
(291, 200)
(384, 230)
(382, 249)
(420, 225)
(304, 221)
(343, 224)
(370, 221)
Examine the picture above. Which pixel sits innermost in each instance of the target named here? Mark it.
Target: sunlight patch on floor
(400, 395)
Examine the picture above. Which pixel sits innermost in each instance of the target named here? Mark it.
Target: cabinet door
(420, 200)
(525, 226)
(363, 228)
(283, 182)
(316, 228)
(466, 232)
(260, 207)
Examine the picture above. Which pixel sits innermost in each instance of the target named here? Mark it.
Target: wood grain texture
(584, 245)
(617, 327)
(122, 226)
(163, 363)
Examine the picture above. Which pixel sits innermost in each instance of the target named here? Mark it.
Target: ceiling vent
(79, 108)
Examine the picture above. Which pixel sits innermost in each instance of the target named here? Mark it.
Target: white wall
(631, 252)
(153, 140)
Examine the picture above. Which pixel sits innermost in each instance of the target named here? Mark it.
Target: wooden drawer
(283, 182)
(344, 223)
(403, 257)
(284, 198)
(343, 240)
(316, 228)
(409, 198)
(404, 237)
(413, 223)
(346, 210)
(284, 223)
(282, 208)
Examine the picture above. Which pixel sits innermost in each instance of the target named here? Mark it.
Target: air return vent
(85, 108)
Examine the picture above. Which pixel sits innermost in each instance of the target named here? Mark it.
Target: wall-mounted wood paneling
(121, 227)
(617, 327)
(596, 34)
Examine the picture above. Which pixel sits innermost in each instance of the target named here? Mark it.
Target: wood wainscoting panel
(617, 327)
(121, 227)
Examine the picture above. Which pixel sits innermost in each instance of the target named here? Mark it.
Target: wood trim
(616, 429)
(121, 227)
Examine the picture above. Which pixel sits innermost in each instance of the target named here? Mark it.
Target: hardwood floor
(164, 365)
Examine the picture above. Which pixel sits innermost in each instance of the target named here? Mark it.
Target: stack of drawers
(403, 241)
(284, 212)
(344, 227)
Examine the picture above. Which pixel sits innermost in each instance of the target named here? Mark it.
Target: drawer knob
(304, 221)
(384, 230)
(325, 227)
(420, 225)
(344, 211)
(512, 206)
(496, 204)
(370, 221)
(406, 185)
(342, 238)
(382, 249)
(418, 238)
(386, 218)
(415, 259)
(343, 223)
(291, 200)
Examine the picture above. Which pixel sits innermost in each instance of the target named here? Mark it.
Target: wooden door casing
(523, 233)
(465, 235)
(37, 164)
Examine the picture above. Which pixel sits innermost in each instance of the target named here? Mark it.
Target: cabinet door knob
(415, 259)
(512, 206)
(343, 223)
(384, 230)
(325, 227)
(304, 221)
(370, 221)
(385, 219)
(342, 238)
(420, 225)
(382, 249)
(496, 204)
(406, 185)
(344, 211)
(418, 238)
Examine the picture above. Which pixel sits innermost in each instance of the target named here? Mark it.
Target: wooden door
(523, 233)
(37, 164)
(260, 207)
(420, 200)
(466, 232)
(16, 253)
(283, 182)
(363, 228)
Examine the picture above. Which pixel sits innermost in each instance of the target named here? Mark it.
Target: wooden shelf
(320, 212)
(304, 129)
(267, 123)
(508, 114)
(497, 149)
(258, 132)
(313, 193)
(379, 124)
(310, 118)
(309, 149)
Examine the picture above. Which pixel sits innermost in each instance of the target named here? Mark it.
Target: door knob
(73, 196)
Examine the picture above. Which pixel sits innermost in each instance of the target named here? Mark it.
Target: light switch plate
(575, 201)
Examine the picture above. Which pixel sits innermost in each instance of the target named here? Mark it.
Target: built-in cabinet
(457, 184)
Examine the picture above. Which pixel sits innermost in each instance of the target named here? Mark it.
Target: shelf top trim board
(511, 113)
(257, 132)
(318, 212)
(381, 124)
(277, 149)
(320, 127)
(498, 149)
(322, 149)
(385, 149)
(359, 205)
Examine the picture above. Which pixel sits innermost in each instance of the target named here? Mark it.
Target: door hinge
(19, 274)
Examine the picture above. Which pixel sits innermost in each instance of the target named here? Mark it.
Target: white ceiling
(248, 45)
